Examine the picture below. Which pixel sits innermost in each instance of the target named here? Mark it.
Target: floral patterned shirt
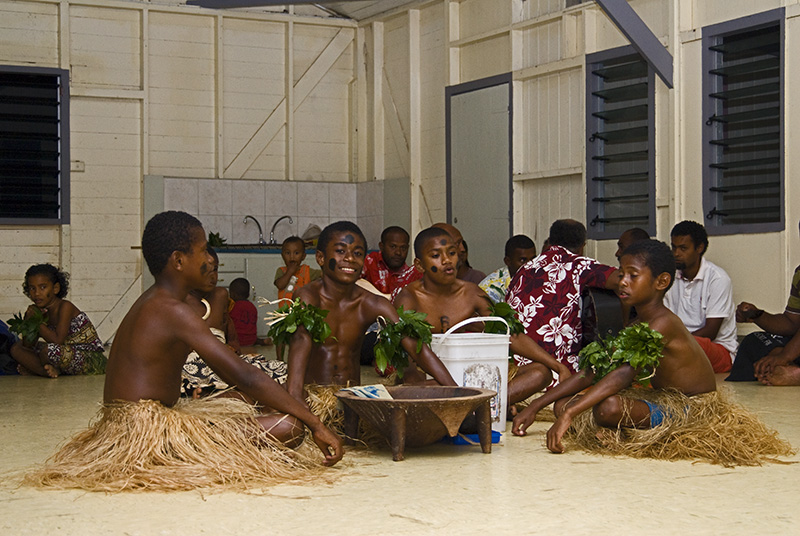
(546, 292)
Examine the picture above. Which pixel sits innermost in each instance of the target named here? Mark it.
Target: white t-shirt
(708, 295)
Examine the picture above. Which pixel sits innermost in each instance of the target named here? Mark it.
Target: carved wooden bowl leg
(350, 425)
(484, 416)
(398, 440)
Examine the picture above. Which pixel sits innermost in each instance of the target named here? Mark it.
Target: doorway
(479, 173)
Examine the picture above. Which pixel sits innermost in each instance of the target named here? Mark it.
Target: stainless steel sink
(257, 248)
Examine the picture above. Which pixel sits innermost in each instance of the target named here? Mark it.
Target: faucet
(260, 232)
(272, 231)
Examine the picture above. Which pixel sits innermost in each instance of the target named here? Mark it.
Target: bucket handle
(470, 321)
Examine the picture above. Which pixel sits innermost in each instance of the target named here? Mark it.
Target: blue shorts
(657, 413)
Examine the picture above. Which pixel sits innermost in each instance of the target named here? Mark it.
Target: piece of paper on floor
(369, 391)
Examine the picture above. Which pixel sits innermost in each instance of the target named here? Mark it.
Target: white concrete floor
(518, 489)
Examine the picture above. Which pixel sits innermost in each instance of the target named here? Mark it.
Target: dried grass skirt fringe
(205, 443)
(709, 427)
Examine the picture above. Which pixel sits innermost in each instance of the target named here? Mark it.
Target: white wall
(160, 89)
(544, 45)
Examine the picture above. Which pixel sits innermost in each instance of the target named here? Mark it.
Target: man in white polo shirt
(702, 296)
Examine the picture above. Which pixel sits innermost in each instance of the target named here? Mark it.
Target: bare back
(684, 366)
(150, 348)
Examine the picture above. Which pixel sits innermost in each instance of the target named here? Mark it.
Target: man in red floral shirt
(387, 268)
(546, 292)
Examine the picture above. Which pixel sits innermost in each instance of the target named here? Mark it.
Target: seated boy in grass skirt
(683, 416)
(145, 438)
(318, 369)
(448, 300)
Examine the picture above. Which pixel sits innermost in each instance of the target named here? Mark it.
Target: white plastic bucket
(478, 360)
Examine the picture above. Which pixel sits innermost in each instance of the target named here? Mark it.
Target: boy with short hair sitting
(351, 310)
(683, 398)
(448, 300)
(147, 438)
(519, 249)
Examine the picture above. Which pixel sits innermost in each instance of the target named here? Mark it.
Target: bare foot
(23, 371)
(512, 412)
(784, 375)
(52, 371)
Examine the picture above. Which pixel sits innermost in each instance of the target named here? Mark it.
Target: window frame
(63, 145)
(592, 166)
(709, 36)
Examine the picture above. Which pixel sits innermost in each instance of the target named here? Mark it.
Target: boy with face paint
(647, 273)
(341, 249)
(448, 300)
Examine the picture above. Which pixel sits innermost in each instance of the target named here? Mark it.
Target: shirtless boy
(648, 269)
(160, 329)
(351, 310)
(448, 300)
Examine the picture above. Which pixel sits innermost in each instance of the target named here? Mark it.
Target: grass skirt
(322, 402)
(709, 427)
(145, 446)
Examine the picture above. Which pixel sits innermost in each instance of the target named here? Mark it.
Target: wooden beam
(273, 123)
(640, 36)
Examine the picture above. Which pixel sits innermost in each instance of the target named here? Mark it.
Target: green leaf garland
(291, 316)
(637, 345)
(507, 313)
(388, 347)
(27, 328)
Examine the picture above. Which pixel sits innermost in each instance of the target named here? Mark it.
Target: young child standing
(683, 397)
(145, 436)
(71, 344)
(448, 300)
(294, 274)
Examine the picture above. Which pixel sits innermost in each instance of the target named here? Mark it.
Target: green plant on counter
(290, 316)
(388, 348)
(637, 345)
(215, 240)
(27, 328)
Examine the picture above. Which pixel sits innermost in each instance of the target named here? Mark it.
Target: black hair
(424, 236)
(519, 241)
(338, 227)
(165, 233)
(54, 274)
(637, 233)
(239, 288)
(294, 239)
(570, 234)
(656, 255)
(693, 230)
(393, 229)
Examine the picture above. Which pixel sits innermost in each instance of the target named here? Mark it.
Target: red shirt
(245, 316)
(546, 292)
(376, 272)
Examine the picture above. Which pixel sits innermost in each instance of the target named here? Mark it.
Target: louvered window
(34, 148)
(620, 149)
(743, 132)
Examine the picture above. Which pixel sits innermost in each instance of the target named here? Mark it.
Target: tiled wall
(221, 205)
